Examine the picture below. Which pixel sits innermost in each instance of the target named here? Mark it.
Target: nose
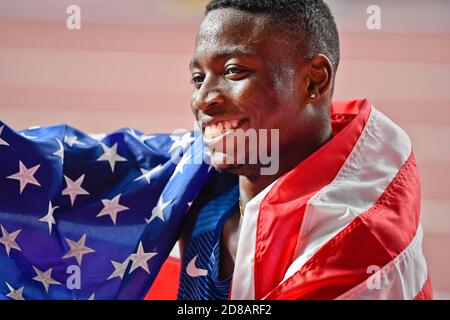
(207, 97)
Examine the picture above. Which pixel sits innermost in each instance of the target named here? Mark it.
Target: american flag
(91, 216)
(344, 224)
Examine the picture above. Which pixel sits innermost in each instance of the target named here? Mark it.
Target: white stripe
(380, 152)
(400, 279)
(175, 253)
(243, 287)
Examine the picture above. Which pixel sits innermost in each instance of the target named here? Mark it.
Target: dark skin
(244, 69)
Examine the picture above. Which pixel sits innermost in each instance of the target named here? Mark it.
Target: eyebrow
(224, 53)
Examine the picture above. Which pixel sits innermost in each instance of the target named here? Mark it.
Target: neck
(251, 185)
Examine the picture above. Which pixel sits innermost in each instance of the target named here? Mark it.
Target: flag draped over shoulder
(344, 224)
(91, 216)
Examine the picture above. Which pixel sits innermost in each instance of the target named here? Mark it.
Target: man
(344, 204)
(335, 216)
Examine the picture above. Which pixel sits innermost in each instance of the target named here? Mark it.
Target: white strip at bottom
(400, 279)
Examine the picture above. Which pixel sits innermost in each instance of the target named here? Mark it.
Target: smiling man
(340, 218)
(312, 199)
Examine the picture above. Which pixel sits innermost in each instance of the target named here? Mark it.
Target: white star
(45, 278)
(210, 167)
(144, 138)
(110, 155)
(15, 294)
(9, 240)
(77, 249)
(183, 141)
(158, 211)
(60, 152)
(74, 189)
(72, 140)
(181, 164)
(140, 259)
(189, 204)
(3, 142)
(119, 269)
(97, 136)
(49, 219)
(25, 176)
(92, 296)
(112, 208)
(28, 137)
(208, 160)
(147, 174)
(133, 133)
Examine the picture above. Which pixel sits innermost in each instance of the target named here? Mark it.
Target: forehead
(231, 32)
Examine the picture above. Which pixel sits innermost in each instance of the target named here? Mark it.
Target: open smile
(216, 131)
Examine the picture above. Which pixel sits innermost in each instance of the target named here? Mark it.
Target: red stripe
(373, 238)
(165, 286)
(282, 210)
(426, 293)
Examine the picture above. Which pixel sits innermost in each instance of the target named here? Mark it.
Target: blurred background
(128, 67)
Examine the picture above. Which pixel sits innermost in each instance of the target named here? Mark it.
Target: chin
(218, 160)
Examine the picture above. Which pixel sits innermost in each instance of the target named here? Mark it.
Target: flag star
(92, 296)
(140, 259)
(119, 269)
(72, 140)
(183, 141)
(28, 137)
(144, 138)
(158, 211)
(134, 134)
(49, 219)
(110, 155)
(2, 142)
(25, 176)
(74, 188)
(97, 136)
(112, 208)
(9, 239)
(209, 161)
(147, 174)
(77, 249)
(189, 204)
(181, 164)
(15, 294)
(60, 152)
(45, 278)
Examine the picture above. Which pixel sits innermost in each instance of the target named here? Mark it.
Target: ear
(319, 78)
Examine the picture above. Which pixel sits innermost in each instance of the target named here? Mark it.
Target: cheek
(256, 99)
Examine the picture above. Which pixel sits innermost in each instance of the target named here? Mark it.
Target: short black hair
(309, 21)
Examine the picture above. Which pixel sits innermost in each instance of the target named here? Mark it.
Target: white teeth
(218, 129)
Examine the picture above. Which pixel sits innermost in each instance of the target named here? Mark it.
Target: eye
(197, 79)
(234, 72)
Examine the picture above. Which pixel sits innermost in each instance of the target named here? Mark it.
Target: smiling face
(246, 76)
